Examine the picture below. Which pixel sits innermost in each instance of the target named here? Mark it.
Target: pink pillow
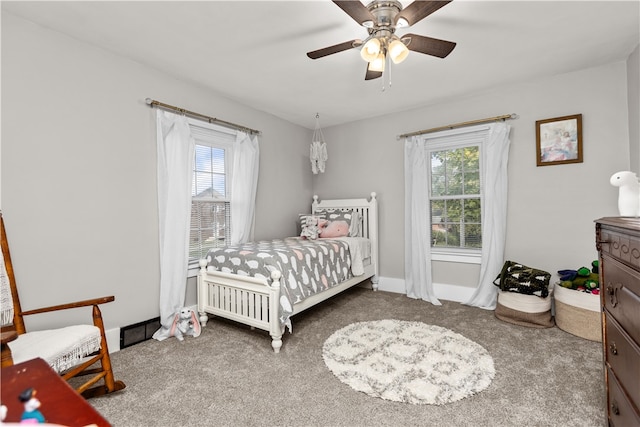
(333, 229)
(350, 216)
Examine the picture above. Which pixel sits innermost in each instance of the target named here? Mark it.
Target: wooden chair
(73, 351)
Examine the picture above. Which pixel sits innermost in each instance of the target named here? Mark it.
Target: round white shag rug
(409, 362)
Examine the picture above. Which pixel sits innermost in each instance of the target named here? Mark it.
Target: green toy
(582, 279)
(591, 284)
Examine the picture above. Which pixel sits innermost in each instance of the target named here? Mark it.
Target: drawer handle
(614, 408)
(613, 349)
(613, 295)
(599, 244)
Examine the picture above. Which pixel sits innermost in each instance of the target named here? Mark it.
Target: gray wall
(79, 171)
(551, 208)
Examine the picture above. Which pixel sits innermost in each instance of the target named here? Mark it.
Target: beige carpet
(229, 376)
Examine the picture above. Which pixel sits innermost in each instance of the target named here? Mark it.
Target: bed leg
(276, 343)
(203, 318)
(374, 283)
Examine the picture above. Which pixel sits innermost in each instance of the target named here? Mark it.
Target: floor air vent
(136, 333)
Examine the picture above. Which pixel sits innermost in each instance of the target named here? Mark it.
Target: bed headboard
(368, 210)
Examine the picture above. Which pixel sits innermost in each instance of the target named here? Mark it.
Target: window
(455, 194)
(210, 195)
(455, 202)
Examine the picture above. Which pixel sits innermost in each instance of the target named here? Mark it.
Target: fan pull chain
(386, 74)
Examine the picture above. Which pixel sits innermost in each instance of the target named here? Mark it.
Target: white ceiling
(255, 52)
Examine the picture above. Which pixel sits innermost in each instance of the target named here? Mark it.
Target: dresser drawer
(620, 411)
(620, 289)
(622, 357)
(623, 247)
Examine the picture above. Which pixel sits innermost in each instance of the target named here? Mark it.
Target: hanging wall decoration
(318, 150)
(559, 140)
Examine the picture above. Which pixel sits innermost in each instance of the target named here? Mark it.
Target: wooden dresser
(618, 244)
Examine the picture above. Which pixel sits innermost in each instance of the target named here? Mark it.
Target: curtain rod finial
(148, 101)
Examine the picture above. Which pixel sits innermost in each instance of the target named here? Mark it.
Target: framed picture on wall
(559, 140)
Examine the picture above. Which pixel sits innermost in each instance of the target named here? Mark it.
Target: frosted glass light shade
(398, 51)
(370, 50)
(378, 63)
(402, 23)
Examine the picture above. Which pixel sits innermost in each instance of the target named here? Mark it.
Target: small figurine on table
(31, 414)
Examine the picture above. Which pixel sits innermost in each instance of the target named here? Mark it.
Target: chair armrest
(8, 334)
(85, 303)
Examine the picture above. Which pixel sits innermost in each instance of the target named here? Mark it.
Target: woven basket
(578, 313)
(524, 310)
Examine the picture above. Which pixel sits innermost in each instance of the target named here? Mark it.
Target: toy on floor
(185, 323)
(582, 279)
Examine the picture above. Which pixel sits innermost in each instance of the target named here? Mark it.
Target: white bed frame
(252, 301)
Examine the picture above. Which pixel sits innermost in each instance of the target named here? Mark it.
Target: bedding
(307, 266)
(261, 284)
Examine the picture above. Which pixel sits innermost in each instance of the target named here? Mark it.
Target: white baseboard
(442, 290)
(453, 292)
(113, 339)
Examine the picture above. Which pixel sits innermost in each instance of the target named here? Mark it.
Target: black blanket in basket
(516, 277)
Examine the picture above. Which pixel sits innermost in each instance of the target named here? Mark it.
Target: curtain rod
(462, 124)
(153, 102)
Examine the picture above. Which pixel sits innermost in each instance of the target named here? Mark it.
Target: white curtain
(176, 149)
(417, 261)
(244, 186)
(494, 214)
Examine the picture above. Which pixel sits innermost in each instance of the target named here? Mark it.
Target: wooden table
(60, 403)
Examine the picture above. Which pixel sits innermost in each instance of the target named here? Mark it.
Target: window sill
(459, 257)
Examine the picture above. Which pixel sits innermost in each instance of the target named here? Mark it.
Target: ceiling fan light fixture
(370, 50)
(402, 23)
(398, 51)
(378, 63)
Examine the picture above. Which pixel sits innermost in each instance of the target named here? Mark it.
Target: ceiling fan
(382, 18)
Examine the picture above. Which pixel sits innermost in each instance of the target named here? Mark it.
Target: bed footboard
(244, 299)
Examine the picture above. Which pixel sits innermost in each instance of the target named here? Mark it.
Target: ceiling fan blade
(419, 10)
(370, 75)
(332, 49)
(429, 46)
(356, 10)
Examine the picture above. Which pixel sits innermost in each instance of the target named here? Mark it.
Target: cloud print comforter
(307, 266)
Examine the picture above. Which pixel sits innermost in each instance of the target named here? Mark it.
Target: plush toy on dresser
(629, 193)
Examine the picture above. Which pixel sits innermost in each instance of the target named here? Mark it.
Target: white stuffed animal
(185, 323)
(629, 193)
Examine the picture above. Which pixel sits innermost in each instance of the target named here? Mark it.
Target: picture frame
(559, 140)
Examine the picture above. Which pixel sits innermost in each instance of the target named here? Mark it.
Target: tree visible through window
(455, 198)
